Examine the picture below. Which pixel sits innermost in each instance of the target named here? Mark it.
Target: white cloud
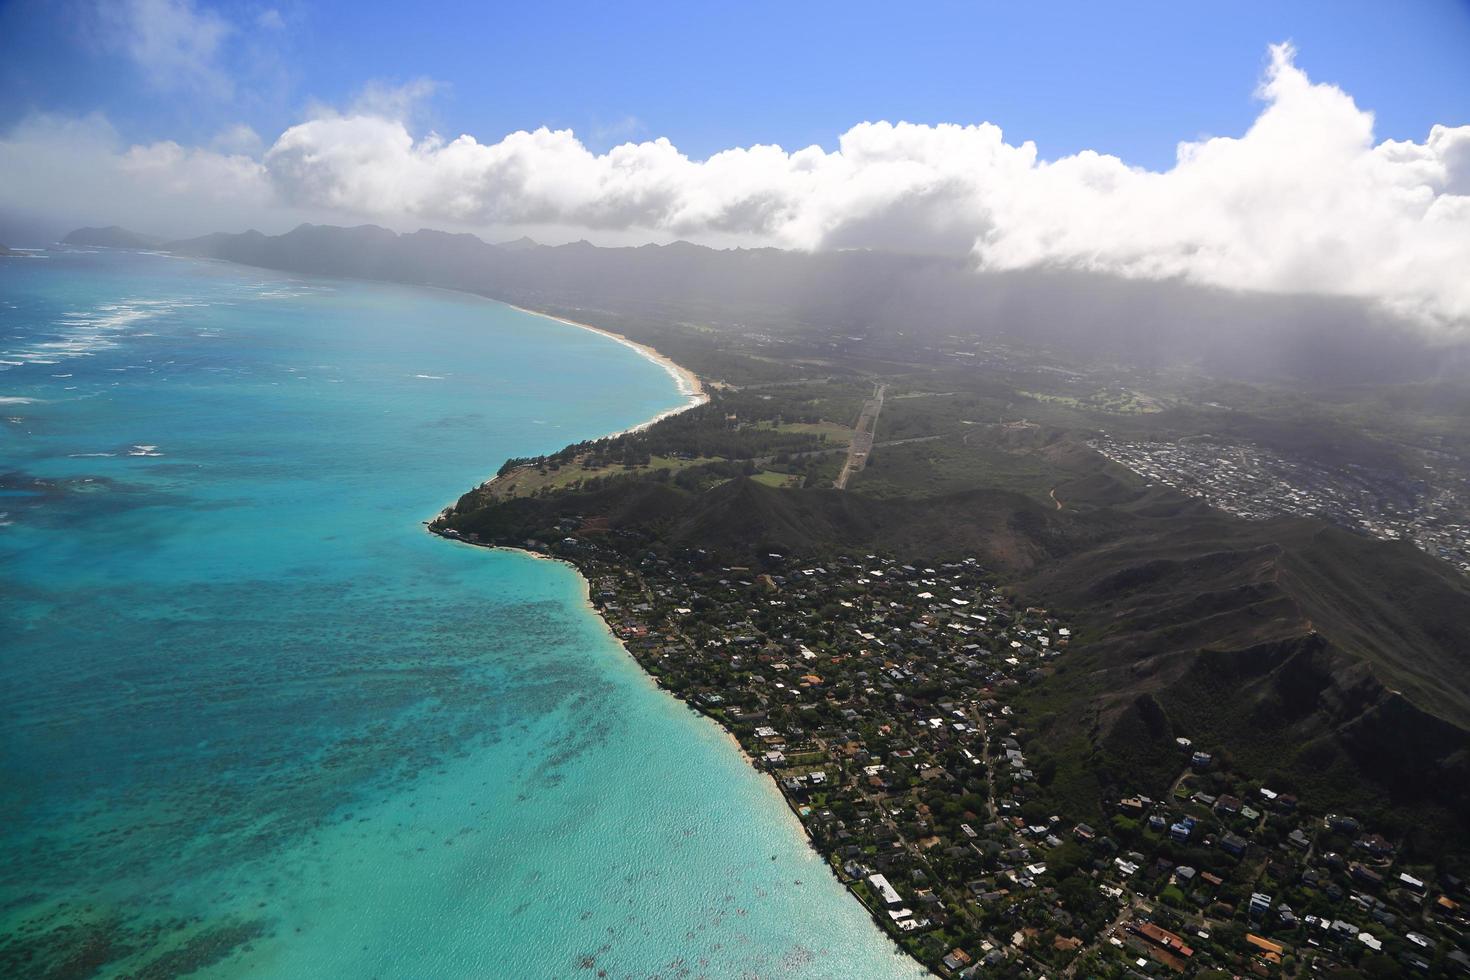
(1304, 201)
(78, 170)
(174, 43)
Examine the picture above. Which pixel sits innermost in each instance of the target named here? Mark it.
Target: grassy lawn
(529, 480)
(1124, 401)
(951, 464)
(780, 480)
(837, 435)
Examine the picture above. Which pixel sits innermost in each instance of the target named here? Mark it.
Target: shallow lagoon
(254, 720)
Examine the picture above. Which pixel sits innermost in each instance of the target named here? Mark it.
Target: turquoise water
(255, 721)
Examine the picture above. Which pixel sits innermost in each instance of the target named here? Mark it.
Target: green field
(530, 480)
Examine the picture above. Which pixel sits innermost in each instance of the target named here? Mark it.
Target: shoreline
(695, 395)
(765, 776)
(687, 381)
(591, 607)
(692, 388)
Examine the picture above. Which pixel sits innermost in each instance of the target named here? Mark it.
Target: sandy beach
(688, 382)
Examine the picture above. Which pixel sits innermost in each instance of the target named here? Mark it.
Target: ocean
(255, 721)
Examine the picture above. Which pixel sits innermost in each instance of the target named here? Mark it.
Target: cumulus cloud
(1304, 201)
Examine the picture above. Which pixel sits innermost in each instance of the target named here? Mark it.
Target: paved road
(862, 437)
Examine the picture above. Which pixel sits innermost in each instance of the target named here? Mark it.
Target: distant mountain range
(879, 298)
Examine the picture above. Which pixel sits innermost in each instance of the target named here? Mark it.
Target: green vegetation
(1115, 401)
(547, 475)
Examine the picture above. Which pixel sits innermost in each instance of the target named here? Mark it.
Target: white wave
(85, 331)
(88, 455)
(16, 400)
(430, 377)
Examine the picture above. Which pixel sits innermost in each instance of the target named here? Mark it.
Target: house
(886, 892)
(957, 959)
(1161, 937)
(1234, 845)
(1364, 875)
(1201, 760)
(1269, 951)
(1260, 904)
(1376, 845)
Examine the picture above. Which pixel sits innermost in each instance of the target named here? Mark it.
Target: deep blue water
(254, 720)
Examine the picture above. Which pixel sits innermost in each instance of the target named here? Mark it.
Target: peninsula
(890, 659)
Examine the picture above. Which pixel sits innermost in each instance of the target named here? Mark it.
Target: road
(862, 437)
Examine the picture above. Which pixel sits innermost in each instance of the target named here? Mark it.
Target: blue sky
(1130, 79)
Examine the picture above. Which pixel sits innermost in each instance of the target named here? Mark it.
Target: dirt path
(1052, 493)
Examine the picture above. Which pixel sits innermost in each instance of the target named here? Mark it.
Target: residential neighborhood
(878, 694)
(1256, 483)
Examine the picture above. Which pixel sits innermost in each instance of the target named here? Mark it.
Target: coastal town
(1255, 483)
(882, 696)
